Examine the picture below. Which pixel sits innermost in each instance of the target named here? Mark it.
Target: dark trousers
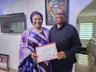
(62, 66)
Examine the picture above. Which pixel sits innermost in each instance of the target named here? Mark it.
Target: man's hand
(61, 55)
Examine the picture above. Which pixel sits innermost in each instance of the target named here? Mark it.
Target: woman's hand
(33, 56)
(61, 55)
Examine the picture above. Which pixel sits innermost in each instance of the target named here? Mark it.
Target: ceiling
(90, 9)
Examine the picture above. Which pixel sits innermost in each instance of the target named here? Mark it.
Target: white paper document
(46, 52)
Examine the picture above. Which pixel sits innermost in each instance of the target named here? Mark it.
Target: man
(67, 41)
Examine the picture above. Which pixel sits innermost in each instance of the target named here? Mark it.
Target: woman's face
(37, 21)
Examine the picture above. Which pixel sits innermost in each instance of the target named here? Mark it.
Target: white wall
(9, 43)
(76, 6)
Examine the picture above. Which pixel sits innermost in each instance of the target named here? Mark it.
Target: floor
(78, 68)
(84, 64)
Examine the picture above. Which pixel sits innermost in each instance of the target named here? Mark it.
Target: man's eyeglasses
(62, 14)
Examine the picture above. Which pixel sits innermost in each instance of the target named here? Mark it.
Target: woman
(31, 38)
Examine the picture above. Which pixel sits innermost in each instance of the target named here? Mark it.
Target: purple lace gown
(29, 41)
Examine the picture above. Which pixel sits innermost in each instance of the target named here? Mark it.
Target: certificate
(46, 52)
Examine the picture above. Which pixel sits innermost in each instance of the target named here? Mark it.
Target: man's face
(59, 16)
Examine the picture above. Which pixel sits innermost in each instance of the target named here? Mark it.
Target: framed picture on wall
(51, 6)
(4, 61)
